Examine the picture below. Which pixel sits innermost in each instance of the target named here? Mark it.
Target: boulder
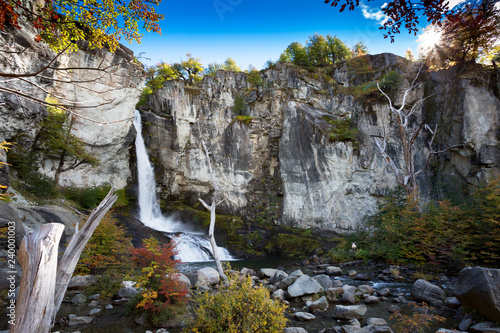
(426, 291)
(363, 277)
(182, 279)
(304, 285)
(332, 270)
(348, 298)
(81, 281)
(75, 320)
(207, 277)
(465, 323)
(353, 329)
(304, 316)
(349, 289)
(297, 273)
(376, 322)
(365, 289)
(452, 302)
(248, 272)
(337, 283)
(319, 305)
(79, 299)
(294, 330)
(352, 272)
(128, 292)
(485, 327)
(479, 289)
(266, 273)
(349, 311)
(93, 304)
(278, 276)
(280, 294)
(95, 312)
(378, 329)
(287, 282)
(354, 322)
(324, 281)
(384, 292)
(371, 300)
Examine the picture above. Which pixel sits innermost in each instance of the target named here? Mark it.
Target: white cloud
(374, 13)
(453, 3)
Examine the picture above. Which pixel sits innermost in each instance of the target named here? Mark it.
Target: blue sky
(252, 32)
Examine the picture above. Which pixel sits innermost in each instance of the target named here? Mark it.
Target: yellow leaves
(148, 296)
(239, 306)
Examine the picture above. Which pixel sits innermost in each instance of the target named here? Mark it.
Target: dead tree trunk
(211, 209)
(44, 281)
(38, 259)
(406, 174)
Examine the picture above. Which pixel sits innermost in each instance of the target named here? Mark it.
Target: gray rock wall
(105, 102)
(281, 164)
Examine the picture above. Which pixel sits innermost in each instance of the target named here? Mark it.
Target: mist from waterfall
(191, 246)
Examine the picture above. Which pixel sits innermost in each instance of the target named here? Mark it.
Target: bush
(107, 250)
(106, 285)
(416, 323)
(239, 107)
(343, 130)
(40, 185)
(390, 82)
(163, 296)
(87, 198)
(238, 307)
(254, 78)
(440, 234)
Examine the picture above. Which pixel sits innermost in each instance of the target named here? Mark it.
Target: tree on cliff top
(102, 23)
(66, 26)
(471, 33)
(403, 13)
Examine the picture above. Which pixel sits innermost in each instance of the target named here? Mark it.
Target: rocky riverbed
(346, 298)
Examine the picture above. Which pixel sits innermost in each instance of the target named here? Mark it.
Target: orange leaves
(8, 14)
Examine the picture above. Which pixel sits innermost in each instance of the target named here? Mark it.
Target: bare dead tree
(407, 173)
(211, 208)
(45, 280)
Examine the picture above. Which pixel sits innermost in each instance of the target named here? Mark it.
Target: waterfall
(191, 246)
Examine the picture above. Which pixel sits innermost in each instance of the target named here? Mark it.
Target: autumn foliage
(61, 23)
(107, 250)
(163, 296)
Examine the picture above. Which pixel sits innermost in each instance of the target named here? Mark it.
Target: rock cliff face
(102, 101)
(282, 160)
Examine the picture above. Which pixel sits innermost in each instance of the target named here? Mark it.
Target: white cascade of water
(191, 246)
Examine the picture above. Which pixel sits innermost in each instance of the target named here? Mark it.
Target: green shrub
(146, 92)
(343, 130)
(239, 107)
(254, 78)
(390, 82)
(87, 198)
(40, 185)
(238, 307)
(107, 285)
